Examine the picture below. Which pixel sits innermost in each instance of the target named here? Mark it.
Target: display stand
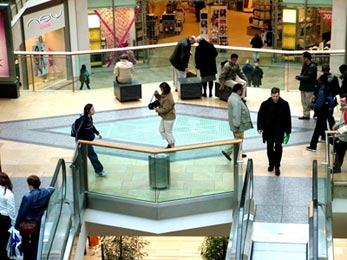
(204, 23)
(219, 25)
(152, 28)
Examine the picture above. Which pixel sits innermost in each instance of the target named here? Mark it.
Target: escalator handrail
(248, 185)
(60, 166)
(315, 226)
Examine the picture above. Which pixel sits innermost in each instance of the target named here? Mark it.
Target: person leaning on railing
(341, 128)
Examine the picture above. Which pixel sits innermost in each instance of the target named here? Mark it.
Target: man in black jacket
(180, 57)
(275, 124)
(308, 82)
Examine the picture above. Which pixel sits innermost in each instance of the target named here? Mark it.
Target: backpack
(75, 126)
(330, 99)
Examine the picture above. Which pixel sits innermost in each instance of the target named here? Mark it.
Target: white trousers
(178, 74)
(230, 83)
(165, 129)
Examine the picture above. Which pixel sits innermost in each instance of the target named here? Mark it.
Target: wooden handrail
(156, 151)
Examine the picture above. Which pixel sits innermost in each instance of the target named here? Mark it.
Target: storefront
(44, 31)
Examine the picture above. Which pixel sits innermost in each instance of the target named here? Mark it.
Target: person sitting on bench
(123, 70)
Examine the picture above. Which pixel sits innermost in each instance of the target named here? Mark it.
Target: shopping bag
(14, 245)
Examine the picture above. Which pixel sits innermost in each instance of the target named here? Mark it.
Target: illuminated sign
(44, 21)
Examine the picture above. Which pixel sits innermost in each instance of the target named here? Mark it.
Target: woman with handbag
(28, 222)
(7, 212)
(167, 112)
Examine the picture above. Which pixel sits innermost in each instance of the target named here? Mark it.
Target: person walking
(275, 125)
(247, 70)
(84, 77)
(322, 111)
(343, 77)
(180, 57)
(232, 74)
(123, 70)
(205, 61)
(308, 81)
(7, 212)
(167, 112)
(87, 131)
(33, 205)
(238, 116)
(256, 43)
(257, 75)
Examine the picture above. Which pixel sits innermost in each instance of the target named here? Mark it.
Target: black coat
(274, 119)
(205, 58)
(180, 56)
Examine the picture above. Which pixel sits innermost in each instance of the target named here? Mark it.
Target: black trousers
(274, 151)
(5, 224)
(321, 126)
(340, 148)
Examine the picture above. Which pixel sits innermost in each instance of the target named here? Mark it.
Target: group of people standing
(320, 95)
(32, 208)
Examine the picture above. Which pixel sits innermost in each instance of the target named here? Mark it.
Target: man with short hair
(232, 74)
(308, 81)
(275, 125)
(239, 117)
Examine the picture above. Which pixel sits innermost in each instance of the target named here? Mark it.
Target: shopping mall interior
(24, 149)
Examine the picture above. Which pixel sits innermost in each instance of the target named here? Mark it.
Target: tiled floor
(281, 195)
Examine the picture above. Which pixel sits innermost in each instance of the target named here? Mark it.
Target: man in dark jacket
(308, 81)
(180, 57)
(205, 61)
(275, 124)
(32, 207)
(87, 131)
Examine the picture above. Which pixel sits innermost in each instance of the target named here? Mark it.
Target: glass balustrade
(60, 70)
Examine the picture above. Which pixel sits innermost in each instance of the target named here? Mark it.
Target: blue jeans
(93, 157)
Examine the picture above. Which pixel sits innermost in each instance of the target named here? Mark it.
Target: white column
(338, 33)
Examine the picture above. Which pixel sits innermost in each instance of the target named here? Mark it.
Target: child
(84, 77)
(257, 75)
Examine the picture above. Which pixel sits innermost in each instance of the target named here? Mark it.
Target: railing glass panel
(60, 70)
(159, 175)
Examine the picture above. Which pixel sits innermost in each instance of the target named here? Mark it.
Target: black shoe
(210, 95)
(204, 95)
(270, 168)
(311, 149)
(304, 118)
(226, 155)
(244, 155)
(277, 171)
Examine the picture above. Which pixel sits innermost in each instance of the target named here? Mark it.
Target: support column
(338, 34)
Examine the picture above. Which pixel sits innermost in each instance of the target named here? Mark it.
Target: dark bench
(222, 94)
(127, 91)
(189, 87)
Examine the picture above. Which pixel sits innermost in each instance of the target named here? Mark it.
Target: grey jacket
(238, 114)
(230, 71)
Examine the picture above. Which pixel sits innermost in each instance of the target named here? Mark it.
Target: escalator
(257, 241)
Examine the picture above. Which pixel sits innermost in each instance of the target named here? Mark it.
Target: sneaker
(101, 174)
(226, 155)
(311, 149)
(321, 141)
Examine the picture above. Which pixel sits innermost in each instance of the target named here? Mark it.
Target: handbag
(154, 104)
(29, 228)
(191, 74)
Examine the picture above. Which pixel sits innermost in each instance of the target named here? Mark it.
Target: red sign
(326, 15)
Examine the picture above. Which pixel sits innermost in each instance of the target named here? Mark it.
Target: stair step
(275, 251)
